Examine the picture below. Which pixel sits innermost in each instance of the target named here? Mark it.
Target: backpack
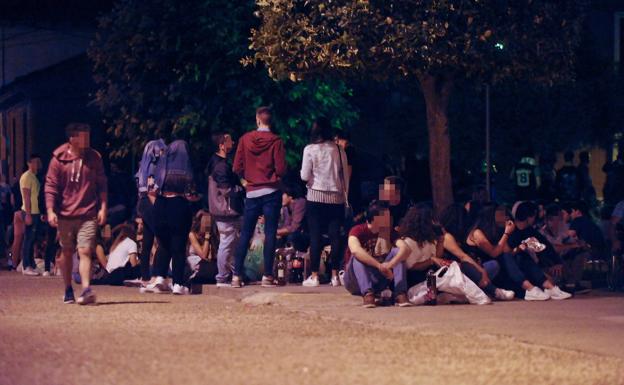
(177, 161)
(147, 167)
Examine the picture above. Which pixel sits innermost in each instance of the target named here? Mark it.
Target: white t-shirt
(121, 254)
(419, 254)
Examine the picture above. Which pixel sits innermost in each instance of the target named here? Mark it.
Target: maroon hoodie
(74, 183)
(260, 159)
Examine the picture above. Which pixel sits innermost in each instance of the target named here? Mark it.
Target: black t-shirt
(589, 232)
(568, 183)
(548, 257)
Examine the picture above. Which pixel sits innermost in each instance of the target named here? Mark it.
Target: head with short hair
(264, 117)
(579, 209)
(321, 130)
(79, 135)
(525, 211)
(568, 156)
(34, 163)
(391, 190)
(554, 218)
(342, 138)
(377, 216)
(223, 141)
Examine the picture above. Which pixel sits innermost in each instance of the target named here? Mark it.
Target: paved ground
(319, 336)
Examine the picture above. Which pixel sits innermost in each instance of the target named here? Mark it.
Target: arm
(280, 159)
(484, 244)
(52, 190)
(133, 259)
(401, 255)
(101, 256)
(299, 209)
(201, 249)
(306, 165)
(360, 254)
(102, 188)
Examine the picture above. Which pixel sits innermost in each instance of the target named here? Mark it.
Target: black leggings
(146, 210)
(330, 217)
(173, 224)
(117, 276)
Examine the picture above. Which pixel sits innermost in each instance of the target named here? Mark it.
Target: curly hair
(418, 224)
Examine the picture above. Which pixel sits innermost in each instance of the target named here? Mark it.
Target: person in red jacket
(76, 197)
(260, 161)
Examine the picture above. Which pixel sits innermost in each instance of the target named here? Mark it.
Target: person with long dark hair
(323, 169)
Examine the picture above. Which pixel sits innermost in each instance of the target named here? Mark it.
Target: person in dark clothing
(568, 180)
(614, 187)
(293, 227)
(588, 193)
(220, 170)
(525, 179)
(583, 228)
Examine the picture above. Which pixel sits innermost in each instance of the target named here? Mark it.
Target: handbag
(348, 209)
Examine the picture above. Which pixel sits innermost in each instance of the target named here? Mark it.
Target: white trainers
(557, 294)
(335, 281)
(311, 282)
(179, 289)
(504, 295)
(267, 282)
(46, 274)
(224, 284)
(159, 286)
(536, 294)
(30, 271)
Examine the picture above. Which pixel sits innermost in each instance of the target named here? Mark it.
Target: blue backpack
(152, 156)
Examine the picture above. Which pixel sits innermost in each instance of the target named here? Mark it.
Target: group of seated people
(530, 252)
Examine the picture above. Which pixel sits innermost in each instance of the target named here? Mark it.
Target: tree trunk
(436, 91)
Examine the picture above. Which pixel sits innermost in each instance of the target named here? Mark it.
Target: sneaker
(30, 272)
(557, 294)
(179, 289)
(368, 300)
(401, 300)
(236, 282)
(87, 297)
(312, 282)
(46, 274)
(504, 295)
(335, 281)
(267, 281)
(159, 286)
(536, 294)
(69, 295)
(224, 284)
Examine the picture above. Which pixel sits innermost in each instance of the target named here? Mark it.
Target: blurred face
(342, 142)
(554, 223)
(575, 214)
(228, 144)
(389, 192)
(380, 222)
(205, 223)
(500, 217)
(81, 140)
(565, 216)
(34, 165)
(286, 199)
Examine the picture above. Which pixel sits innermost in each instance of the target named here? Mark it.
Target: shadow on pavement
(129, 302)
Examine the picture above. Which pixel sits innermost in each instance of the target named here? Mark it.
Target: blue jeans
(269, 206)
(30, 233)
(491, 268)
(360, 278)
(522, 267)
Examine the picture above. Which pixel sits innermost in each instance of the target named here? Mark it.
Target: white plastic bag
(450, 279)
(455, 282)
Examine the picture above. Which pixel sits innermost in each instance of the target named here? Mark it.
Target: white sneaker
(179, 289)
(30, 271)
(536, 294)
(311, 282)
(46, 274)
(159, 286)
(556, 293)
(504, 295)
(335, 281)
(224, 284)
(267, 282)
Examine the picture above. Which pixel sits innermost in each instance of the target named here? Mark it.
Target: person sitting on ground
(202, 250)
(585, 229)
(292, 229)
(367, 273)
(532, 262)
(571, 250)
(453, 220)
(122, 262)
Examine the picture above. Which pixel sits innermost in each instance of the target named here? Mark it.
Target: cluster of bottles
(290, 266)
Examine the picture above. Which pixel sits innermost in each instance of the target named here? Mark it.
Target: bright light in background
(499, 45)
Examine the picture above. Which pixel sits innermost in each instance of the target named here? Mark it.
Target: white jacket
(321, 167)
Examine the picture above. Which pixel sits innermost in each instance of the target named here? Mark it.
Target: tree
(434, 43)
(168, 68)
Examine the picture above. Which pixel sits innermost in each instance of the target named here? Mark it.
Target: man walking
(76, 199)
(261, 162)
(30, 187)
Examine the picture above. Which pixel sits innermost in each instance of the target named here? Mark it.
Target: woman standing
(323, 169)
